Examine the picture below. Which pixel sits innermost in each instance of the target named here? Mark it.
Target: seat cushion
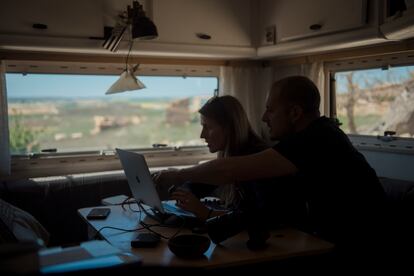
(21, 226)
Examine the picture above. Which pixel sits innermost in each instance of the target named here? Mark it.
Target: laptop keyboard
(170, 207)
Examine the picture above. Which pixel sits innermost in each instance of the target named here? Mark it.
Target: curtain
(250, 85)
(4, 126)
(314, 71)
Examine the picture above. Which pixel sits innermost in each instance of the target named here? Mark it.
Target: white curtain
(314, 71)
(4, 125)
(250, 85)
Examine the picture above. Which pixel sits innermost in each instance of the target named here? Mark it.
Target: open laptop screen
(139, 179)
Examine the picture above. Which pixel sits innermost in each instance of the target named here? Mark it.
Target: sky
(367, 78)
(86, 86)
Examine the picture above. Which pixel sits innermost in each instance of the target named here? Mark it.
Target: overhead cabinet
(297, 19)
(398, 19)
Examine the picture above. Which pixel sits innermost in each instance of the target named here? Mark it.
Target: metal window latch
(388, 136)
(33, 155)
(42, 152)
(107, 152)
(157, 146)
(49, 150)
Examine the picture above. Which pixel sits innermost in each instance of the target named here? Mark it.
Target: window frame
(393, 144)
(55, 164)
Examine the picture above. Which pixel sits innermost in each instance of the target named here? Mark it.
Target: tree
(353, 94)
(22, 138)
(366, 89)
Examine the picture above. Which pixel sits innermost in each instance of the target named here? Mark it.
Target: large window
(70, 113)
(373, 101)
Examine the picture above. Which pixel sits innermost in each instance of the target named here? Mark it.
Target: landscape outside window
(370, 102)
(72, 113)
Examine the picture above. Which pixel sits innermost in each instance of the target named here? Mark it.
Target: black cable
(144, 225)
(126, 201)
(122, 229)
(130, 208)
(148, 226)
(116, 228)
(129, 51)
(126, 230)
(133, 210)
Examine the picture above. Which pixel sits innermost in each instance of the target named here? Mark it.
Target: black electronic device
(225, 226)
(249, 216)
(189, 245)
(145, 240)
(98, 213)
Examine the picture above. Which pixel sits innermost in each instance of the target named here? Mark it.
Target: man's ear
(295, 113)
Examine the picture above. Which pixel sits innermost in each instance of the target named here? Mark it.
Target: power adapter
(145, 240)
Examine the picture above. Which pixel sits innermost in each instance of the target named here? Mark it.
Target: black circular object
(39, 26)
(203, 36)
(189, 246)
(315, 27)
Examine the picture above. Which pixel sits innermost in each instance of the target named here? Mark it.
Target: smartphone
(98, 213)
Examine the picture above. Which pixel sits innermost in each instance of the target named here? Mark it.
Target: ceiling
(237, 27)
(77, 26)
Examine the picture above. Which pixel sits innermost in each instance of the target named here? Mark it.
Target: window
(373, 101)
(70, 113)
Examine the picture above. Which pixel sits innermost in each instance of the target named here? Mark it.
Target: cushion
(21, 226)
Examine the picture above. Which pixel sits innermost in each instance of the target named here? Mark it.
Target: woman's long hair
(240, 137)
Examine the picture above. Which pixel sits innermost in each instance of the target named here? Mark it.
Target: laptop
(143, 188)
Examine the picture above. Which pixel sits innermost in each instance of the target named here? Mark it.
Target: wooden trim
(88, 58)
(389, 48)
(384, 49)
(247, 63)
(327, 108)
(63, 165)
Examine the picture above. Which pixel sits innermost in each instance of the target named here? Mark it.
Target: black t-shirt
(344, 196)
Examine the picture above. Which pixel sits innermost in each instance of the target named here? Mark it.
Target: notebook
(143, 188)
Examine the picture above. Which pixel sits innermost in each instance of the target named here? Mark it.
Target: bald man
(343, 194)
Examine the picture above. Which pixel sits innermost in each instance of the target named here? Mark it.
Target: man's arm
(266, 164)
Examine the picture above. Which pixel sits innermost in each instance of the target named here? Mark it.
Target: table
(284, 243)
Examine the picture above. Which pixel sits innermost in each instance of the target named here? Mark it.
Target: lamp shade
(143, 28)
(126, 82)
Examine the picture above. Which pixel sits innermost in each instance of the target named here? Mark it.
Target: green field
(363, 123)
(71, 128)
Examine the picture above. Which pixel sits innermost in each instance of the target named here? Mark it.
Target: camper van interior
(79, 79)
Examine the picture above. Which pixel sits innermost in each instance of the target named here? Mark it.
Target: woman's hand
(164, 180)
(189, 202)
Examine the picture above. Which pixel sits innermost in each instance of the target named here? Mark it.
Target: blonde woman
(227, 131)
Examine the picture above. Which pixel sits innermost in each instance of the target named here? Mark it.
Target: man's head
(292, 104)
